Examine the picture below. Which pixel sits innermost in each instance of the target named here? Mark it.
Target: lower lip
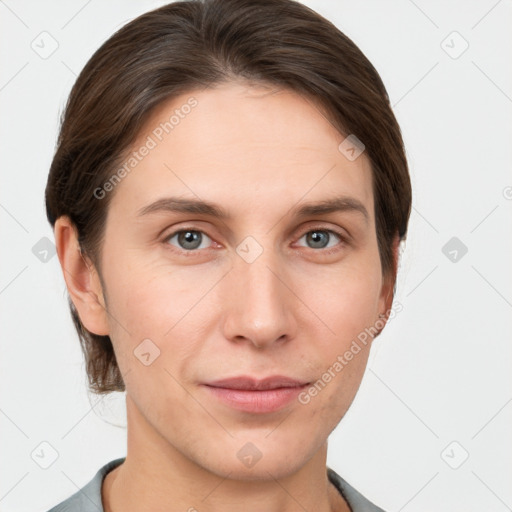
(266, 401)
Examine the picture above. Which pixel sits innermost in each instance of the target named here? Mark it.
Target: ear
(82, 279)
(387, 292)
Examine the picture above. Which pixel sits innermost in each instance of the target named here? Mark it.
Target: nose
(261, 306)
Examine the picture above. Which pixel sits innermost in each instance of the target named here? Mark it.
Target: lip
(256, 395)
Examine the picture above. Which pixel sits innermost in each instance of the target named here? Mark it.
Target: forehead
(245, 145)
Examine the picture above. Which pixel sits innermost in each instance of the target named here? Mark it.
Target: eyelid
(318, 227)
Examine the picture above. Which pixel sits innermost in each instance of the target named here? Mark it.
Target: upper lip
(249, 383)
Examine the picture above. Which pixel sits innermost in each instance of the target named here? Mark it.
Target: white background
(439, 373)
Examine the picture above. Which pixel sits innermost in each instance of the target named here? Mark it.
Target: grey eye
(320, 238)
(189, 239)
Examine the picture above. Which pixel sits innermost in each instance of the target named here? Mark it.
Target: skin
(258, 153)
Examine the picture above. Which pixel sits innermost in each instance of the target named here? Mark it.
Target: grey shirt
(88, 498)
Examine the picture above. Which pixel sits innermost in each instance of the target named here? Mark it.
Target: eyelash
(194, 252)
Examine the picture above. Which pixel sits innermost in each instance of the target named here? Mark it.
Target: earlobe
(82, 279)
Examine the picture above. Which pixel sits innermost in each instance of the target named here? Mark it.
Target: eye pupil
(189, 237)
(316, 237)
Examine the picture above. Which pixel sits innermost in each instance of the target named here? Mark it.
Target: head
(263, 133)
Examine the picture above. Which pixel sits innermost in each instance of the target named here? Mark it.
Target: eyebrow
(182, 205)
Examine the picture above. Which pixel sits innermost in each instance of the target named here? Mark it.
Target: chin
(255, 458)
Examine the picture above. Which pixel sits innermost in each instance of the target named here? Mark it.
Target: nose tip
(259, 339)
(260, 309)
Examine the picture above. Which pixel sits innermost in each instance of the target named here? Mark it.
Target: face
(270, 288)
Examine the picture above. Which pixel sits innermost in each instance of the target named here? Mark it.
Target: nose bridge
(260, 306)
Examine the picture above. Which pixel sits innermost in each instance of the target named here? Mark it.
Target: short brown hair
(191, 44)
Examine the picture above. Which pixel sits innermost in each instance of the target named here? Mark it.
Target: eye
(321, 238)
(188, 239)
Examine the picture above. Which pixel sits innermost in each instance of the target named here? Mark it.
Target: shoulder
(356, 501)
(88, 498)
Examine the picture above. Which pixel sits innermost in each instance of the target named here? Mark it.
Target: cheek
(349, 302)
(153, 302)
(349, 307)
(149, 299)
